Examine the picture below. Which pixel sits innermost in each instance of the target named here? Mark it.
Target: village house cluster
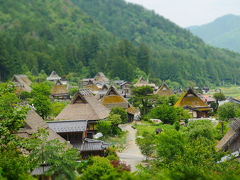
(76, 123)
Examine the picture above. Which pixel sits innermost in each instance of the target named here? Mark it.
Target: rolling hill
(121, 39)
(224, 32)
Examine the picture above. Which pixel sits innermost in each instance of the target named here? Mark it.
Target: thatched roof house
(53, 77)
(33, 123)
(100, 77)
(196, 107)
(22, 83)
(114, 99)
(231, 140)
(84, 106)
(60, 91)
(164, 90)
(142, 82)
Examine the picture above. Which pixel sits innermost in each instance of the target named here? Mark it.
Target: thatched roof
(114, 99)
(164, 90)
(142, 82)
(231, 138)
(22, 82)
(84, 106)
(191, 100)
(100, 77)
(53, 77)
(59, 89)
(33, 123)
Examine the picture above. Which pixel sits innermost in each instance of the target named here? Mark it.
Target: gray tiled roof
(40, 170)
(91, 145)
(68, 126)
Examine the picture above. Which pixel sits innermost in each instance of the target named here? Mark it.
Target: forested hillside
(224, 32)
(87, 36)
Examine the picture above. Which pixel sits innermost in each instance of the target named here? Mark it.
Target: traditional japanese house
(164, 90)
(33, 123)
(84, 106)
(53, 76)
(142, 82)
(89, 84)
(114, 99)
(196, 107)
(59, 91)
(22, 83)
(125, 89)
(91, 147)
(231, 140)
(102, 91)
(100, 77)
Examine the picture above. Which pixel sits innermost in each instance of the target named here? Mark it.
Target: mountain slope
(172, 47)
(118, 38)
(223, 32)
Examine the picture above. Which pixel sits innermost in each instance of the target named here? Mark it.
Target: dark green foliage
(14, 164)
(120, 111)
(142, 97)
(62, 160)
(113, 37)
(12, 115)
(99, 168)
(171, 47)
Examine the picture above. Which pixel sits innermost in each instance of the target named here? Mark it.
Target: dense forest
(121, 39)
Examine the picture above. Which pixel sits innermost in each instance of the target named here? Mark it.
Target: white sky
(191, 12)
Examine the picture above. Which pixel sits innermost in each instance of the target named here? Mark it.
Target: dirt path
(131, 155)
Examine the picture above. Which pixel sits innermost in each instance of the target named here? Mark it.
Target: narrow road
(131, 155)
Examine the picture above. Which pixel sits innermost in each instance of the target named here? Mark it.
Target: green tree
(99, 168)
(104, 127)
(227, 111)
(219, 97)
(115, 120)
(12, 115)
(60, 158)
(120, 111)
(41, 101)
(167, 114)
(143, 95)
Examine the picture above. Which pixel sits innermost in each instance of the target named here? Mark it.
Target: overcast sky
(191, 12)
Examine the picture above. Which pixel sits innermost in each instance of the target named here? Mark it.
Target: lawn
(148, 127)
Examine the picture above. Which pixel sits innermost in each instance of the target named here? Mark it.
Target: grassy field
(148, 127)
(233, 91)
